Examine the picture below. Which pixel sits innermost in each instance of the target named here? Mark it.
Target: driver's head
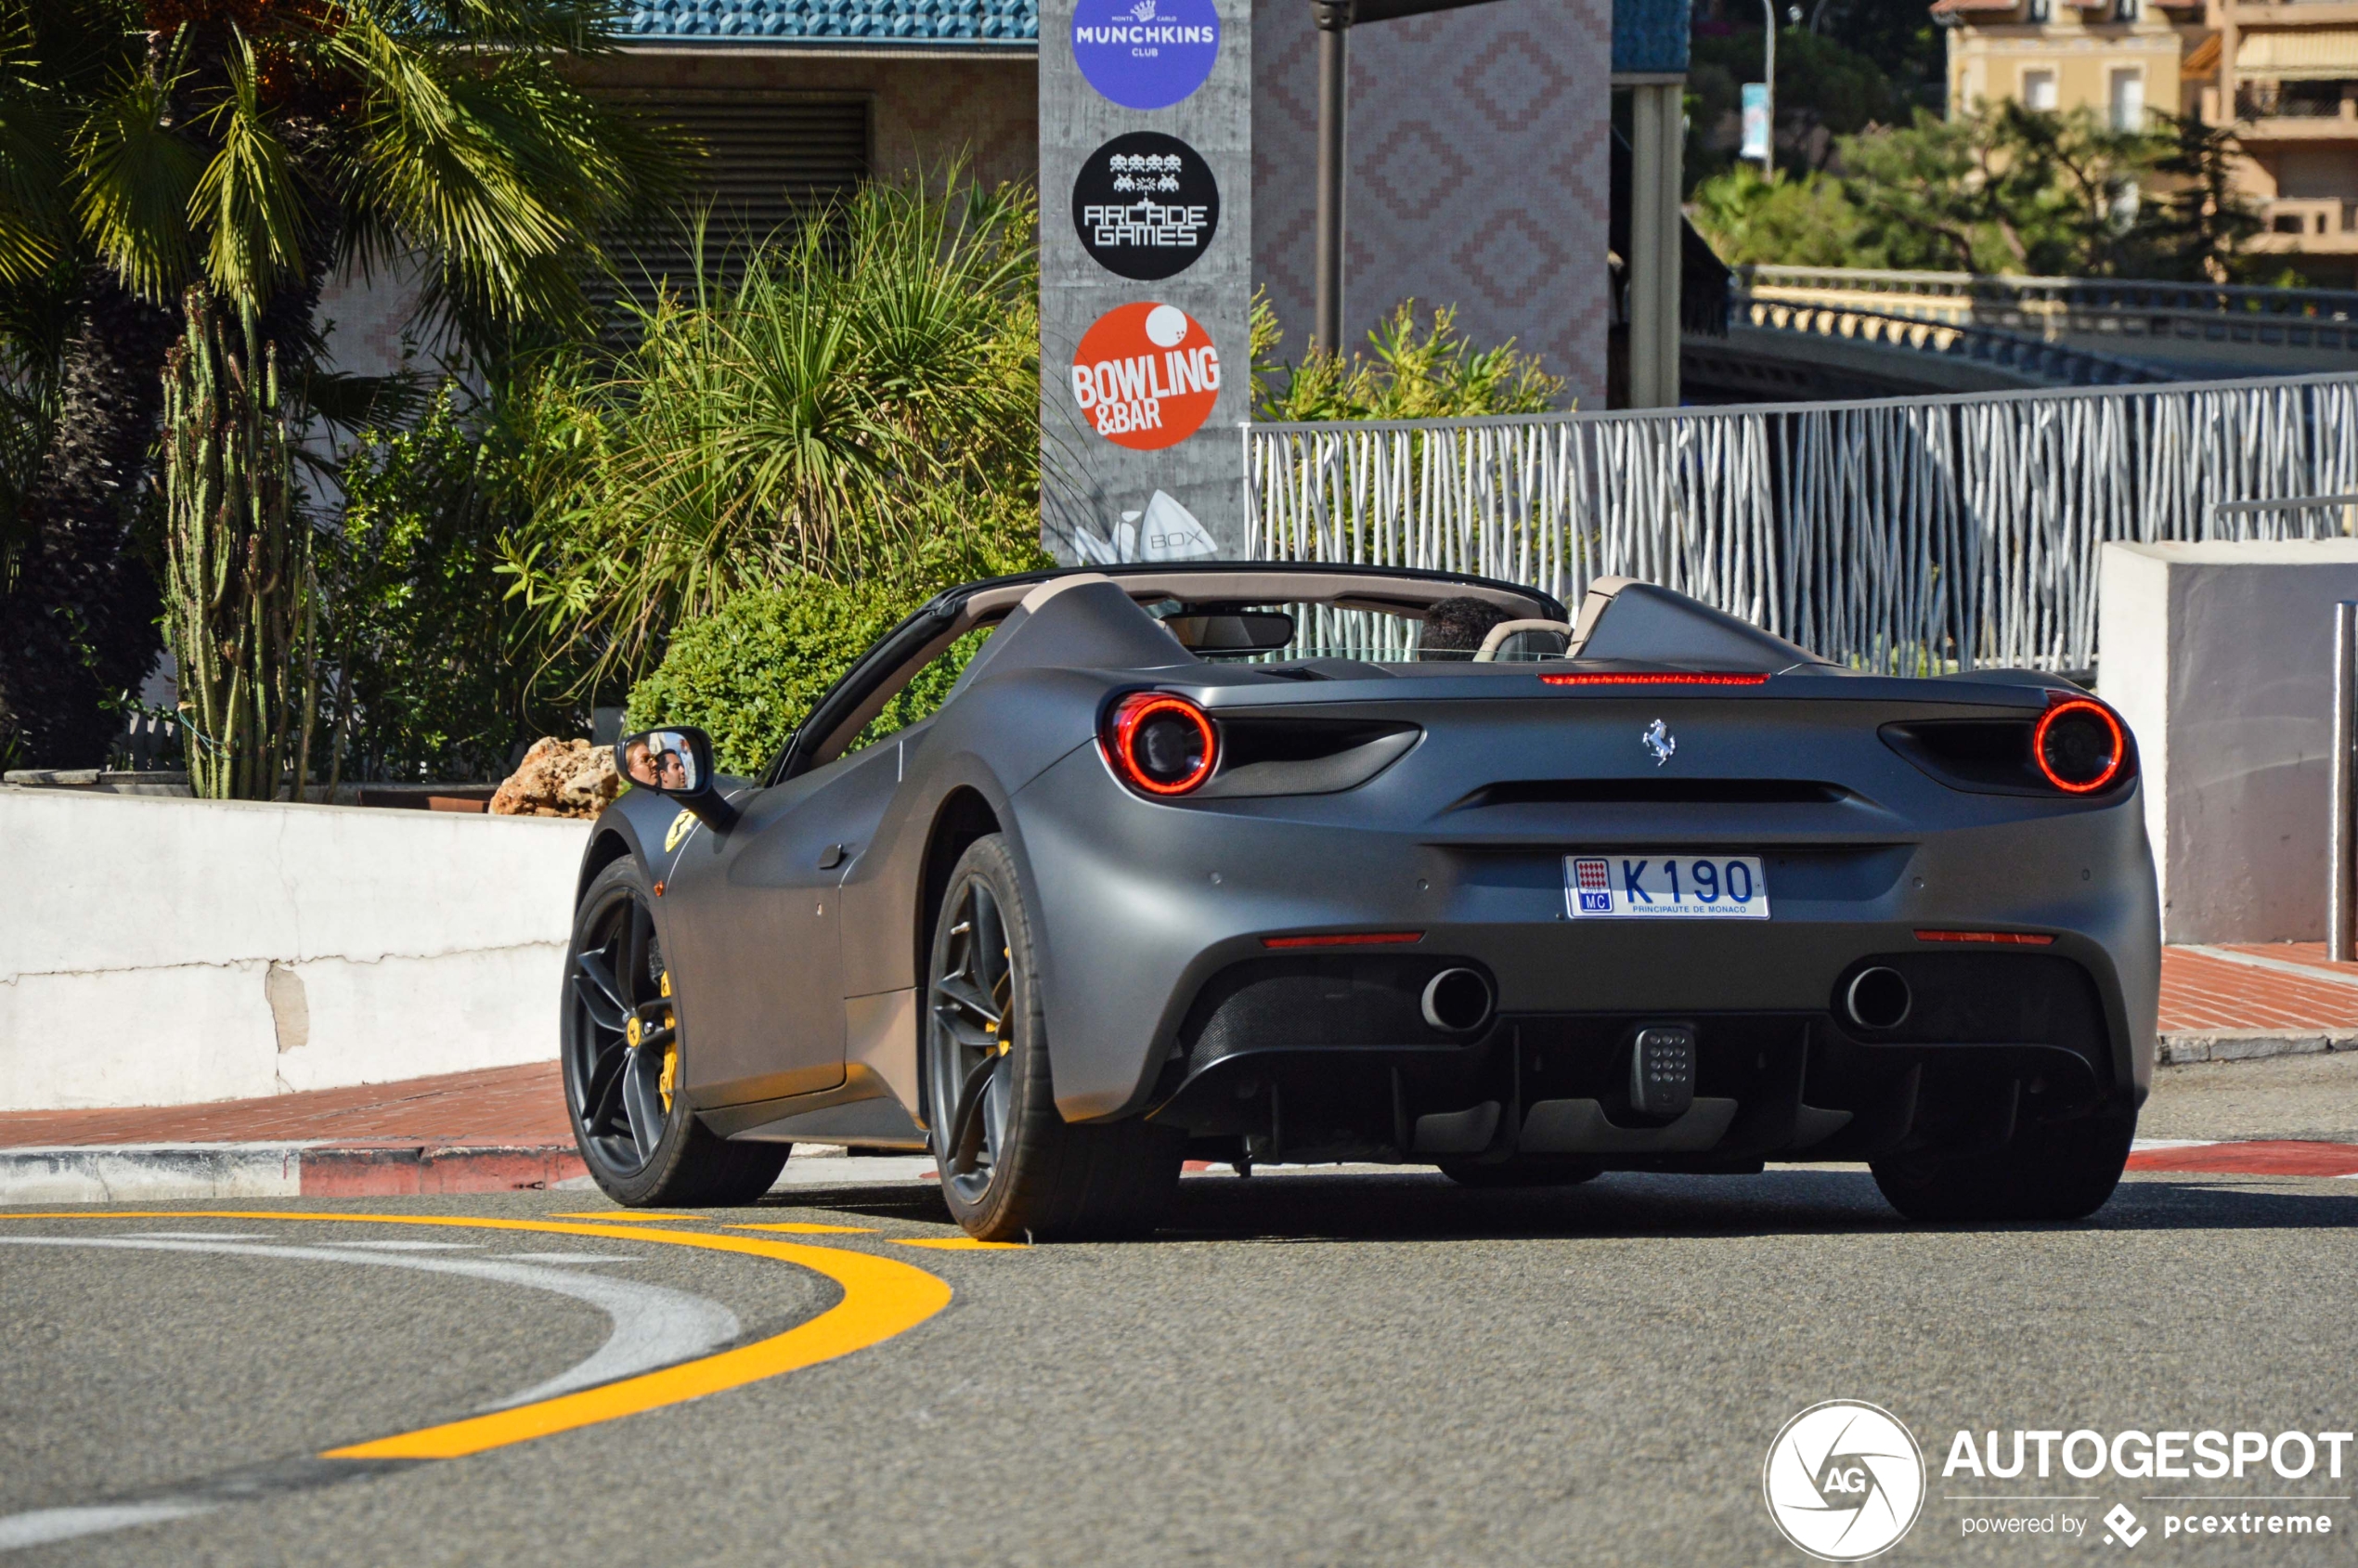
(638, 762)
(673, 772)
(1455, 627)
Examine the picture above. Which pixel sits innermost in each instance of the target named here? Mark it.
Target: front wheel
(2052, 1172)
(621, 1048)
(1012, 1166)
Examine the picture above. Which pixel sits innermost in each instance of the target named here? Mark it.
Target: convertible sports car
(1242, 861)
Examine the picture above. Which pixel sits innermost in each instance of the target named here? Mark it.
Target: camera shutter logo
(1844, 1481)
(1145, 206)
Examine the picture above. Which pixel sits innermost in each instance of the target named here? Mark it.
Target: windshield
(1452, 631)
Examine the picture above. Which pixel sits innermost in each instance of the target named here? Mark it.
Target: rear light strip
(1347, 939)
(1679, 678)
(2000, 939)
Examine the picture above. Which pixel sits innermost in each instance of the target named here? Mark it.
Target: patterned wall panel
(1478, 172)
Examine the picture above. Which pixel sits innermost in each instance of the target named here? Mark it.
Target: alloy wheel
(970, 1061)
(622, 1035)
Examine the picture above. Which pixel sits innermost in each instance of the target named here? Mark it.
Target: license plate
(1657, 887)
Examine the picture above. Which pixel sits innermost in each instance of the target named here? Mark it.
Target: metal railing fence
(2036, 359)
(1906, 534)
(2322, 319)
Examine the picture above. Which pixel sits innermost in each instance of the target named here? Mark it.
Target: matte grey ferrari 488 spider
(1246, 863)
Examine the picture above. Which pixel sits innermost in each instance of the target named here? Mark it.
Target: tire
(1017, 1168)
(641, 1143)
(1536, 1172)
(2051, 1171)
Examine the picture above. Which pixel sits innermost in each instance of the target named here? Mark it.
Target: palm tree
(252, 147)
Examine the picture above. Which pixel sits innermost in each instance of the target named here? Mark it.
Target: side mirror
(676, 764)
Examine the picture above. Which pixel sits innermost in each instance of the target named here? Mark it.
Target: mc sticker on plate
(1653, 885)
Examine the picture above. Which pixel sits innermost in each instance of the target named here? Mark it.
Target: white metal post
(2341, 878)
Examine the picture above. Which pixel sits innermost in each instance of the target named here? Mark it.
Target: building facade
(2283, 74)
(1477, 150)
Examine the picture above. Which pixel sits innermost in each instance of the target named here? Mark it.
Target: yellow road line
(632, 1216)
(959, 1244)
(794, 1229)
(882, 1297)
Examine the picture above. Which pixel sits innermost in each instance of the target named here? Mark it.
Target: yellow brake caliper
(670, 1074)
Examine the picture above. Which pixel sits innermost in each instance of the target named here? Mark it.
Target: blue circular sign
(1146, 54)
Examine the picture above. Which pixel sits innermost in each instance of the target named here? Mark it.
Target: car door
(759, 953)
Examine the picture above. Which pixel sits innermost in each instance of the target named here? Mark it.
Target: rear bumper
(1144, 906)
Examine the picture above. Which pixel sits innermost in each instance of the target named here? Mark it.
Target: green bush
(752, 670)
(1404, 376)
(423, 678)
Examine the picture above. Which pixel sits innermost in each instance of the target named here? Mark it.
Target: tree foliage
(860, 388)
(2004, 190)
(251, 146)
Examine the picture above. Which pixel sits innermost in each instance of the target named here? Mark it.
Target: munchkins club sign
(1145, 375)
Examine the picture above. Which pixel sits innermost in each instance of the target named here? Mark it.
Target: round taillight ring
(2080, 748)
(1161, 744)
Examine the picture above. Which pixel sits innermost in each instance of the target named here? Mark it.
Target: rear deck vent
(1657, 791)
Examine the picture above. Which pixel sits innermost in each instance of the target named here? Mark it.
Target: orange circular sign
(1145, 375)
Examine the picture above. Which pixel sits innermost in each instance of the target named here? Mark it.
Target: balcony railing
(2054, 307)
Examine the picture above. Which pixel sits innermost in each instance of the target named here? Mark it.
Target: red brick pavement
(2203, 992)
(508, 1107)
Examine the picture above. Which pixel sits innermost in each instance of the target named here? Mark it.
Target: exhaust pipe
(1457, 1000)
(1878, 998)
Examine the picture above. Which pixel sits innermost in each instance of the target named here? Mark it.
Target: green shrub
(751, 671)
(1404, 376)
(424, 677)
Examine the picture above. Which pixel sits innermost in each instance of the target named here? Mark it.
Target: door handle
(831, 857)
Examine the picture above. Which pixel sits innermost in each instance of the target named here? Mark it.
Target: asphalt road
(1315, 1368)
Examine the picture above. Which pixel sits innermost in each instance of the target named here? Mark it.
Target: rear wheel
(621, 1060)
(1529, 1172)
(2054, 1170)
(1010, 1164)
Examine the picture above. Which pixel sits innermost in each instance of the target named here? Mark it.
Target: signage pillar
(1146, 276)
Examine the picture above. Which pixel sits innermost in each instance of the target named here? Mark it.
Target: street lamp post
(1769, 93)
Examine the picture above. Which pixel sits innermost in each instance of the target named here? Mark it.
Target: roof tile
(892, 21)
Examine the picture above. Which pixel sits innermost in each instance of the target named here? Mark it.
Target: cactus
(240, 604)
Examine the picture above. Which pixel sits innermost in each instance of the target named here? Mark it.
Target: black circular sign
(1145, 205)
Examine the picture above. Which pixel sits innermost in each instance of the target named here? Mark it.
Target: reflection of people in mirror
(639, 763)
(672, 769)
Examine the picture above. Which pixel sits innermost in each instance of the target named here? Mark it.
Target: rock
(560, 779)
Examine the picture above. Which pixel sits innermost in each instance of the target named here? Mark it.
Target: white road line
(414, 1245)
(42, 1526)
(194, 1234)
(654, 1324)
(572, 1257)
(2275, 966)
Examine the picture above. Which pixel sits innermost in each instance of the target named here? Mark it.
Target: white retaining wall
(162, 951)
(2221, 658)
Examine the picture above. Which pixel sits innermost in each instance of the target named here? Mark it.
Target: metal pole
(1768, 162)
(1334, 33)
(2342, 879)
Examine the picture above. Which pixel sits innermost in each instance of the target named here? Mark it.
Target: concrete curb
(151, 1172)
(2187, 1047)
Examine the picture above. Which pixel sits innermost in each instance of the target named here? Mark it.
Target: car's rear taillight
(2078, 746)
(1161, 744)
